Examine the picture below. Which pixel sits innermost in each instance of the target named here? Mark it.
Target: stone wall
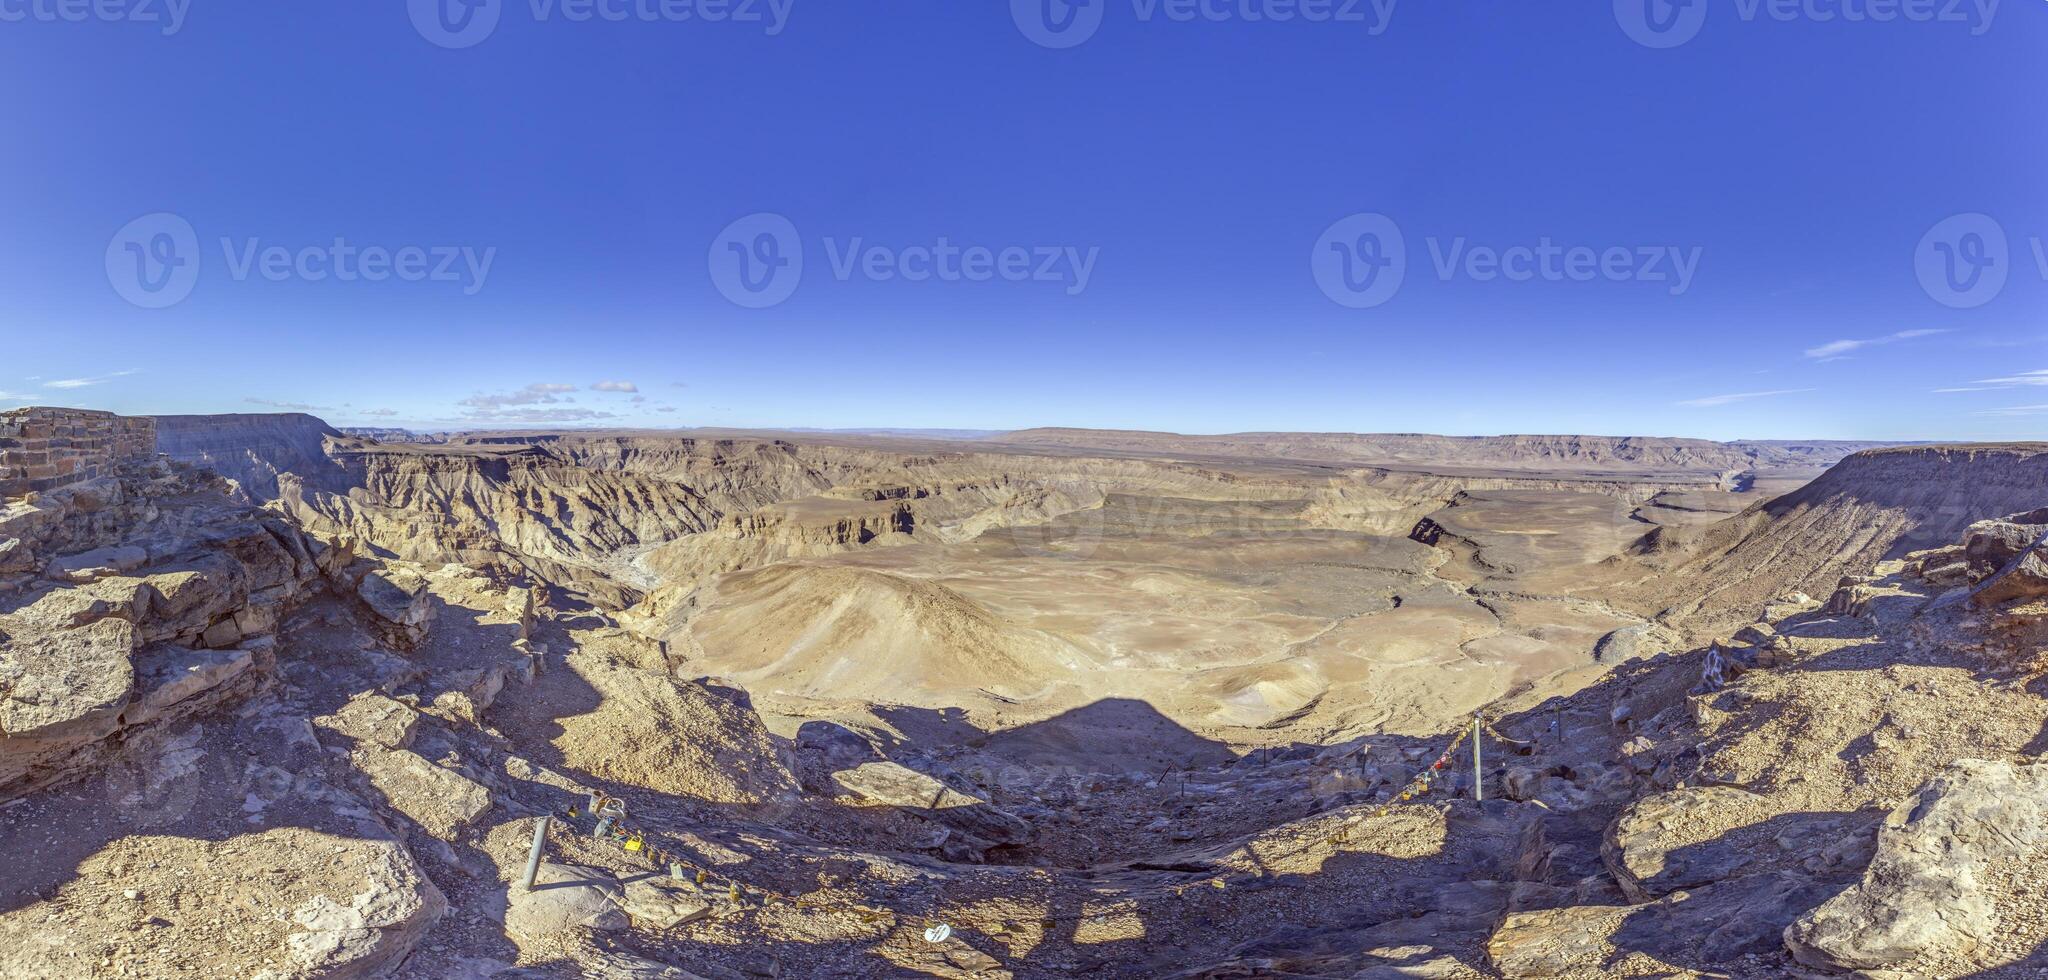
(43, 449)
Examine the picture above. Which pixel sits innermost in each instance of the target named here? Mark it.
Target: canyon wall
(249, 449)
(1873, 505)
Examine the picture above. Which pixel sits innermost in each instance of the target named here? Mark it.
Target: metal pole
(1478, 781)
(540, 840)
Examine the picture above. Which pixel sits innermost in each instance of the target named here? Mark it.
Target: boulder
(1632, 642)
(1994, 543)
(1925, 890)
(399, 599)
(369, 931)
(2026, 577)
(1850, 600)
(1947, 576)
(1756, 635)
(188, 599)
(663, 903)
(823, 748)
(565, 898)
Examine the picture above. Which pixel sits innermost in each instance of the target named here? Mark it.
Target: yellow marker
(1218, 883)
(634, 844)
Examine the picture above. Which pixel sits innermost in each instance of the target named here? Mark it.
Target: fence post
(1478, 779)
(540, 840)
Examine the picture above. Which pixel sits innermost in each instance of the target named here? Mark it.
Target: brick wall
(43, 449)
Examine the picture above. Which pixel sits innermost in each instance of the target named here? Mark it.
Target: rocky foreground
(262, 741)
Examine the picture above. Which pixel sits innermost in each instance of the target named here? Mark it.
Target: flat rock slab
(443, 802)
(71, 684)
(167, 676)
(565, 898)
(889, 784)
(93, 565)
(373, 719)
(1678, 840)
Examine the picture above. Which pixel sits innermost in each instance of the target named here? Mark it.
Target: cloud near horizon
(88, 382)
(539, 416)
(533, 394)
(1715, 401)
(2024, 379)
(286, 406)
(626, 387)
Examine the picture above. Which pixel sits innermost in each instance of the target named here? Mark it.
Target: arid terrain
(282, 701)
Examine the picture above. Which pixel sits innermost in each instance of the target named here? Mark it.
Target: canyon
(282, 700)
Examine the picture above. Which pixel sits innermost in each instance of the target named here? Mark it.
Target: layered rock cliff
(251, 450)
(1874, 505)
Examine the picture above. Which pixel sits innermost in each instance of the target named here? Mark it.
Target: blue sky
(1150, 228)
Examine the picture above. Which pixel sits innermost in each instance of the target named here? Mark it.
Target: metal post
(1478, 780)
(540, 840)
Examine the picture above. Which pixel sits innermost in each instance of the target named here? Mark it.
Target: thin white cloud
(1715, 401)
(533, 394)
(2024, 379)
(627, 387)
(2015, 410)
(87, 382)
(285, 406)
(1837, 349)
(380, 412)
(538, 416)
